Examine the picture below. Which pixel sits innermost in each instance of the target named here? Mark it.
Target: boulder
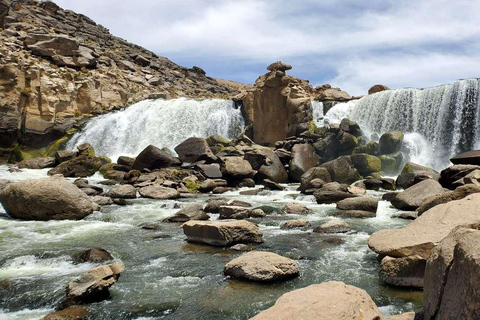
(153, 158)
(328, 196)
(413, 197)
(267, 163)
(4, 8)
(391, 162)
(366, 164)
(237, 168)
(70, 313)
(355, 214)
(471, 178)
(213, 205)
(126, 161)
(295, 224)
(64, 155)
(421, 235)
(95, 255)
(240, 203)
(403, 272)
(303, 159)
(262, 266)
(279, 65)
(369, 204)
(37, 163)
(326, 301)
(459, 193)
(207, 185)
(46, 199)
(469, 157)
(342, 170)
(370, 148)
(333, 226)
(272, 185)
(296, 208)
(314, 173)
(257, 213)
(223, 233)
(453, 173)
(407, 316)
(102, 201)
(156, 191)
(92, 286)
(234, 212)
(406, 180)
(86, 149)
(351, 127)
(211, 171)
(373, 184)
(377, 88)
(390, 142)
(125, 191)
(81, 166)
(194, 149)
(193, 211)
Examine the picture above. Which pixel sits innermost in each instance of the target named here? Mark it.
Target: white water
(163, 123)
(445, 118)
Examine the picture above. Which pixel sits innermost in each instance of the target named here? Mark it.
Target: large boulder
(94, 255)
(92, 286)
(262, 266)
(469, 157)
(390, 142)
(46, 199)
(222, 233)
(267, 163)
(369, 204)
(366, 164)
(234, 212)
(153, 158)
(326, 301)
(156, 191)
(193, 211)
(419, 237)
(403, 272)
(81, 166)
(237, 168)
(413, 173)
(312, 174)
(303, 159)
(454, 173)
(194, 149)
(37, 163)
(125, 191)
(413, 197)
(342, 170)
(457, 194)
(296, 208)
(331, 196)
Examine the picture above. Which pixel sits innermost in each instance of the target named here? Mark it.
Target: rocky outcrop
(325, 301)
(262, 266)
(327, 93)
(222, 233)
(58, 66)
(46, 199)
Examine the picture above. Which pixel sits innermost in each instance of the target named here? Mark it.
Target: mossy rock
(366, 164)
(370, 148)
(20, 153)
(192, 186)
(411, 167)
(55, 146)
(391, 162)
(106, 167)
(217, 139)
(312, 127)
(167, 150)
(105, 159)
(391, 142)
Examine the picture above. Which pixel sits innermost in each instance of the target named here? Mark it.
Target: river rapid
(168, 278)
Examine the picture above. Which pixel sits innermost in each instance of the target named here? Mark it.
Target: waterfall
(163, 123)
(445, 117)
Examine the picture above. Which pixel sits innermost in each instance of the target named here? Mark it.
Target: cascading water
(163, 123)
(445, 117)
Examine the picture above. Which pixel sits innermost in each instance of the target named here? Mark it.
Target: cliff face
(57, 66)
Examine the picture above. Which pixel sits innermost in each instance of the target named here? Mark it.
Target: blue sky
(351, 44)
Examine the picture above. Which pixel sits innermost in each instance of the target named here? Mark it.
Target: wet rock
(413, 197)
(102, 201)
(361, 203)
(257, 213)
(95, 255)
(296, 208)
(213, 205)
(220, 190)
(251, 192)
(295, 224)
(373, 184)
(354, 214)
(342, 170)
(303, 159)
(391, 162)
(469, 157)
(391, 142)
(194, 149)
(122, 202)
(234, 212)
(37, 163)
(420, 236)
(271, 210)
(351, 127)
(403, 272)
(81, 166)
(193, 211)
(46, 199)
(240, 203)
(389, 196)
(246, 183)
(333, 226)
(92, 286)
(222, 233)
(125, 191)
(328, 196)
(325, 301)
(271, 185)
(158, 192)
(153, 158)
(242, 247)
(71, 313)
(262, 266)
(317, 175)
(126, 161)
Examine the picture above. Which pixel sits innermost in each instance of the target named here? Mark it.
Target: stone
(64, 155)
(4, 8)
(211, 171)
(156, 191)
(213, 205)
(125, 191)
(469, 157)
(342, 170)
(240, 203)
(313, 174)
(102, 201)
(223, 233)
(366, 164)
(403, 272)
(279, 65)
(326, 301)
(355, 214)
(46, 199)
(207, 185)
(242, 247)
(373, 184)
(257, 213)
(92, 286)
(406, 180)
(333, 226)
(407, 316)
(453, 173)
(328, 196)
(126, 161)
(95, 255)
(459, 193)
(413, 197)
(377, 88)
(272, 185)
(70, 313)
(471, 178)
(295, 224)
(246, 183)
(262, 266)
(237, 168)
(420, 236)
(81, 166)
(153, 158)
(452, 276)
(193, 211)
(303, 159)
(360, 203)
(267, 163)
(390, 142)
(37, 163)
(296, 208)
(389, 196)
(194, 149)
(391, 162)
(351, 127)
(234, 212)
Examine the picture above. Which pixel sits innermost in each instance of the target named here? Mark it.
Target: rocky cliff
(57, 66)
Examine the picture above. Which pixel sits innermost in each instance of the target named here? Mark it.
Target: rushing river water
(168, 278)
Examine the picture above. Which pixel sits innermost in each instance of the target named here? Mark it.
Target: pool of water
(168, 278)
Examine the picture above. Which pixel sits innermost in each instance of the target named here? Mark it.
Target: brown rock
(71, 313)
(377, 88)
(222, 233)
(303, 159)
(296, 208)
(469, 157)
(95, 255)
(237, 167)
(294, 224)
(403, 272)
(193, 211)
(194, 149)
(361, 203)
(158, 192)
(125, 191)
(333, 226)
(37, 163)
(153, 158)
(234, 212)
(413, 197)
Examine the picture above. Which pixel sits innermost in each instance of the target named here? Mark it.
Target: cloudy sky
(350, 44)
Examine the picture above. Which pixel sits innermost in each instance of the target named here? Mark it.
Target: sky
(351, 44)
